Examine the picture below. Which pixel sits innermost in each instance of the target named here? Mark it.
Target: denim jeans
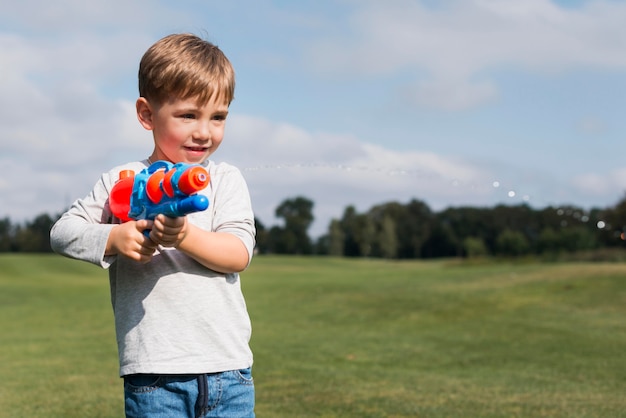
(225, 394)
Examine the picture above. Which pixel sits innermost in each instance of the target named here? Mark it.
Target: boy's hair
(184, 66)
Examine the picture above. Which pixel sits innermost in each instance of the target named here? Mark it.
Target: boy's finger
(144, 224)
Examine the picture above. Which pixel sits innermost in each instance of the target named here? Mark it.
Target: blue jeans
(225, 394)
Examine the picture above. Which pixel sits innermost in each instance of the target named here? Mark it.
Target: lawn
(347, 338)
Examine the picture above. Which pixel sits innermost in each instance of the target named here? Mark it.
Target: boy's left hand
(168, 232)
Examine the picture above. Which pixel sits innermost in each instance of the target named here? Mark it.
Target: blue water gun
(162, 188)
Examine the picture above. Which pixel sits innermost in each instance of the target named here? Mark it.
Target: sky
(344, 102)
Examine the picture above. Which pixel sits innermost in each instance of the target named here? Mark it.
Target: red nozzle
(193, 180)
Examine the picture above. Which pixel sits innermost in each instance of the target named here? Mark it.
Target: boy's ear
(144, 113)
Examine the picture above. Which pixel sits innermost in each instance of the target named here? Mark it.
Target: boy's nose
(203, 131)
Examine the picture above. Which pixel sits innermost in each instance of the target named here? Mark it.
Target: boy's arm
(82, 231)
(219, 251)
(76, 237)
(227, 245)
(85, 232)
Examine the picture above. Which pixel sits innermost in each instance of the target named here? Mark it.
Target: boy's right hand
(127, 239)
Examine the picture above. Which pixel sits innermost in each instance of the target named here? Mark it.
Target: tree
(613, 221)
(6, 235)
(474, 247)
(281, 241)
(576, 238)
(297, 214)
(413, 223)
(414, 228)
(349, 226)
(512, 243)
(469, 222)
(549, 242)
(387, 238)
(442, 241)
(262, 236)
(35, 235)
(336, 238)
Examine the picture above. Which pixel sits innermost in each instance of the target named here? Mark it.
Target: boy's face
(184, 130)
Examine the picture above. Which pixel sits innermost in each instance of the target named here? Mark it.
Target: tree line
(407, 231)
(410, 230)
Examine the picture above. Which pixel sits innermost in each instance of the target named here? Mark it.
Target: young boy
(180, 317)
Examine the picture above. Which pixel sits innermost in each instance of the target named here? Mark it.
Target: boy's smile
(184, 130)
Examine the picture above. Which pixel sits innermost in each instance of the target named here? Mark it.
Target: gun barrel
(195, 203)
(185, 181)
(177, 208)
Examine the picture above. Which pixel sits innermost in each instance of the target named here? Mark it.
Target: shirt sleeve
(232, 210)
(82, 232)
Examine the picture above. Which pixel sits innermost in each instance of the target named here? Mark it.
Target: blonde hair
(184, 66)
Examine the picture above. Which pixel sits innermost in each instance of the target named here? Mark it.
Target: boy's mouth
(197, 149)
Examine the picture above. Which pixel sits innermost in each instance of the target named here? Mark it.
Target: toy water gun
(163, 187)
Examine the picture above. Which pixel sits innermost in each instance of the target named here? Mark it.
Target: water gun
(163, 187)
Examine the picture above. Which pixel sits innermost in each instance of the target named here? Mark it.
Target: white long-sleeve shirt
(172, 314)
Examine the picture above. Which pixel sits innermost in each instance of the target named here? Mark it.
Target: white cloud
(612, 182)
(449, 94)
(281, 161)
(57, 130)
(448, 46)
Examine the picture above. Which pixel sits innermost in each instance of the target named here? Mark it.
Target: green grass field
(347, 338)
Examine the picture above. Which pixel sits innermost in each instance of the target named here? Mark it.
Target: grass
(347, 338)
(57, 353)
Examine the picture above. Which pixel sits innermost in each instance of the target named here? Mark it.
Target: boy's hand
(127, 239)
(169, 232)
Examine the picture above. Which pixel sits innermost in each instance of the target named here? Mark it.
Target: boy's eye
(188, 116)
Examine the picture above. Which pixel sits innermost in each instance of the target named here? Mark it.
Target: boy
(180, 317)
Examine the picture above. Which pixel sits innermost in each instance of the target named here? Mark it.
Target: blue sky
(346, 102)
